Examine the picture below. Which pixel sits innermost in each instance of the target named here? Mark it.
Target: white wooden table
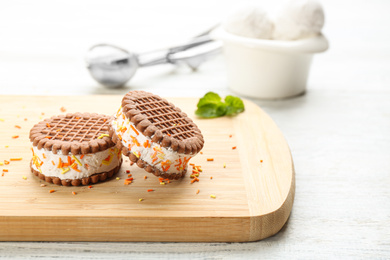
(338, 132)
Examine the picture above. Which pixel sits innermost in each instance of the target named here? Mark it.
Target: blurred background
(43, 44)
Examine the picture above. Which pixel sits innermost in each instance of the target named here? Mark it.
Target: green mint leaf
(211, 110)
(234, 105)
(209, 98)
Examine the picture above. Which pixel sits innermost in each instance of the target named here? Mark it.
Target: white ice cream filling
(81, 166)
(164, 159)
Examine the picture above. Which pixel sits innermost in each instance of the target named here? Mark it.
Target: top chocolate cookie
(160, 120)
(78, 133)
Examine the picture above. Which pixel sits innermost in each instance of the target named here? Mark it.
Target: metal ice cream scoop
(113, 66)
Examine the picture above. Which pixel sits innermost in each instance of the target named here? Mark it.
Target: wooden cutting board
(253, 195)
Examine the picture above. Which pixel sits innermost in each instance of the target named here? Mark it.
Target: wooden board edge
(263, 226)
(125, 229)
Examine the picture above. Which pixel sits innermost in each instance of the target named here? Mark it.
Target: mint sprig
(212, 105)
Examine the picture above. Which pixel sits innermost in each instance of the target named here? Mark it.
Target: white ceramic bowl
(268, 69)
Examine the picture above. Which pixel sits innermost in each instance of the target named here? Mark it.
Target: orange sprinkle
(201, 152)
(53, 163)
(59, 163)
(169, 134)
(197, 192)
(77, 118)
(5, 170)
(18, 126)
(90, 187)
(2, 174)
(211, 177)
(51, 191)
(16, 159)
(131, 163)
(48, 137)
(128, 182)
(234, 147)
(160, 179)
(230, 136)
(44, 156)
(210, 159)
(6, 162)
(60, 136)
(145, 177)
(127, 171)
(87, 166)
(82, 156)
(15, 136)
(192, 164)
(150, 190)
(129, 175)
(135, 130)
(42, 113)
(48, 125)
(69, 160)
(146, 144)
(169, 181)
(261, 160)
(129, 179)
(74, 193)
(77, 170)
(63, 109)
(25, 119)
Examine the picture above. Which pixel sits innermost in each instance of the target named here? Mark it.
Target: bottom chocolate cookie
(93, 179)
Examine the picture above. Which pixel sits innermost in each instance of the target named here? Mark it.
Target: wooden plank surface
(253, 198)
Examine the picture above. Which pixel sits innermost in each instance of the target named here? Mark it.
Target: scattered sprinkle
(141, 199)
(224, 165)
(90, 187)
(48, 137)
(43, 185)
(18, 126)
(48, 125)
(127, 171)
(15, 136)
(162, 183)
(234, 147)
(201, 152)
(42, 113)
(118, 178)
(103, 135)
(24, 177)
(145, 177)
(136, 155)
(25, 119)
(261, 161)
(168, 134)
(16, 159)
(5, 170)
(1, 163)
(63, 109)
(213, 196)
(65, 170)
(74, 193)
(51, 191)
(129, 175)
(1, 119)
(2, 175)
(211, 177)
(150, 190)
(6, 162)
(210, 159)
(6, 146)
(230, 136)
(197, 192)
